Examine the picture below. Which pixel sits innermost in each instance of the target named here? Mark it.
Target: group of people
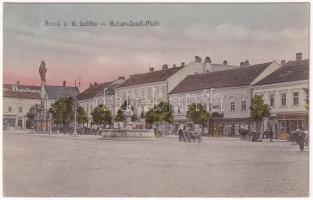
(299, 137)
(187, 135)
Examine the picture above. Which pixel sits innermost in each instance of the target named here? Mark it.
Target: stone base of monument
(128, 133)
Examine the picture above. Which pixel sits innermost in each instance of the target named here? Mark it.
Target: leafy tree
(101, 115)
(81, 115)
(31, 114)
(119, 116)
(160, 113)
(259, 110)
(62, 111)
(198, 114)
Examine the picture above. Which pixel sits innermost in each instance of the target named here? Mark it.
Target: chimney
(282, 62)
(151, 69)
(164, 67)
(242, 64)
(121, 78)
(174, 65)
(207, 60)
(299, 56)
(90, 84)
(247, 63)
(64, 83)
(182, 63)
(96, 83)
(225, 62)
(17, 82)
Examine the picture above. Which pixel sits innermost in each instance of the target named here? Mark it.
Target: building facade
(226, 94)
(18, 99)
(286, 92)
(148, 89)
(102, 93)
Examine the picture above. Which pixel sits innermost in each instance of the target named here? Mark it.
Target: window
(296, 98)
(10, 109)
(243, 105)
(283, 99)
(307, 95)
(20, 109)
(210, 107)
(272, 99)
(232, 106)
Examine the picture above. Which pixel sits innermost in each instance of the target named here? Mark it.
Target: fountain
(128, 131)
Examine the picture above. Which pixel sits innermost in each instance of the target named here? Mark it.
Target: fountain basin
(128, 133)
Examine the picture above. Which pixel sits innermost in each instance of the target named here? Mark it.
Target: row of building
(225, 89)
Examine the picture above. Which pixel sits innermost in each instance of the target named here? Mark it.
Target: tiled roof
(33, 92)
(292, 71)
(57, 92)
(156, 76)
(21, 91)
(226, 78)
(94, 90)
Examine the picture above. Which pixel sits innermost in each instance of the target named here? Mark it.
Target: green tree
(101, 115)
(31, 114)
(120, 115)
(258, 111)
(62, 111)
(198, 114)
(161, 112)
(81, 115)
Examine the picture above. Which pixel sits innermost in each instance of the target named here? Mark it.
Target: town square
(200, 106)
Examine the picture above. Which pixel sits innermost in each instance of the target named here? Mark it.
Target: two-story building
(148, 89)
(286, 92)
(226, 94)
(18, 99)
(99, 93)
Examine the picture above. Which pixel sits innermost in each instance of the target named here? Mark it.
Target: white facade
(15, 110)
(144, 96)
(287, 101)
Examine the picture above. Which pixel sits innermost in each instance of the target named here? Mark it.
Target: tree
(259, 110)
(62, 111)
(31, 114)
(160, 113)
(81, 115)
(101, 115)
(198, 114)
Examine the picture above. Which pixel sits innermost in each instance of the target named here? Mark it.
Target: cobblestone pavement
(76, 166)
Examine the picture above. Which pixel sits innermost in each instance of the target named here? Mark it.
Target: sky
(233, 32)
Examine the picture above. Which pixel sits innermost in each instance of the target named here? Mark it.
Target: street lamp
(75, 119)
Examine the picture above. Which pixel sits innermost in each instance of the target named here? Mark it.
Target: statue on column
(43, 71)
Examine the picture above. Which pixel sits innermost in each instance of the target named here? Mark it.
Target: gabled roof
(94, 90)
(156, 76)
(33, 92)
(227, 78)
(291, 71)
